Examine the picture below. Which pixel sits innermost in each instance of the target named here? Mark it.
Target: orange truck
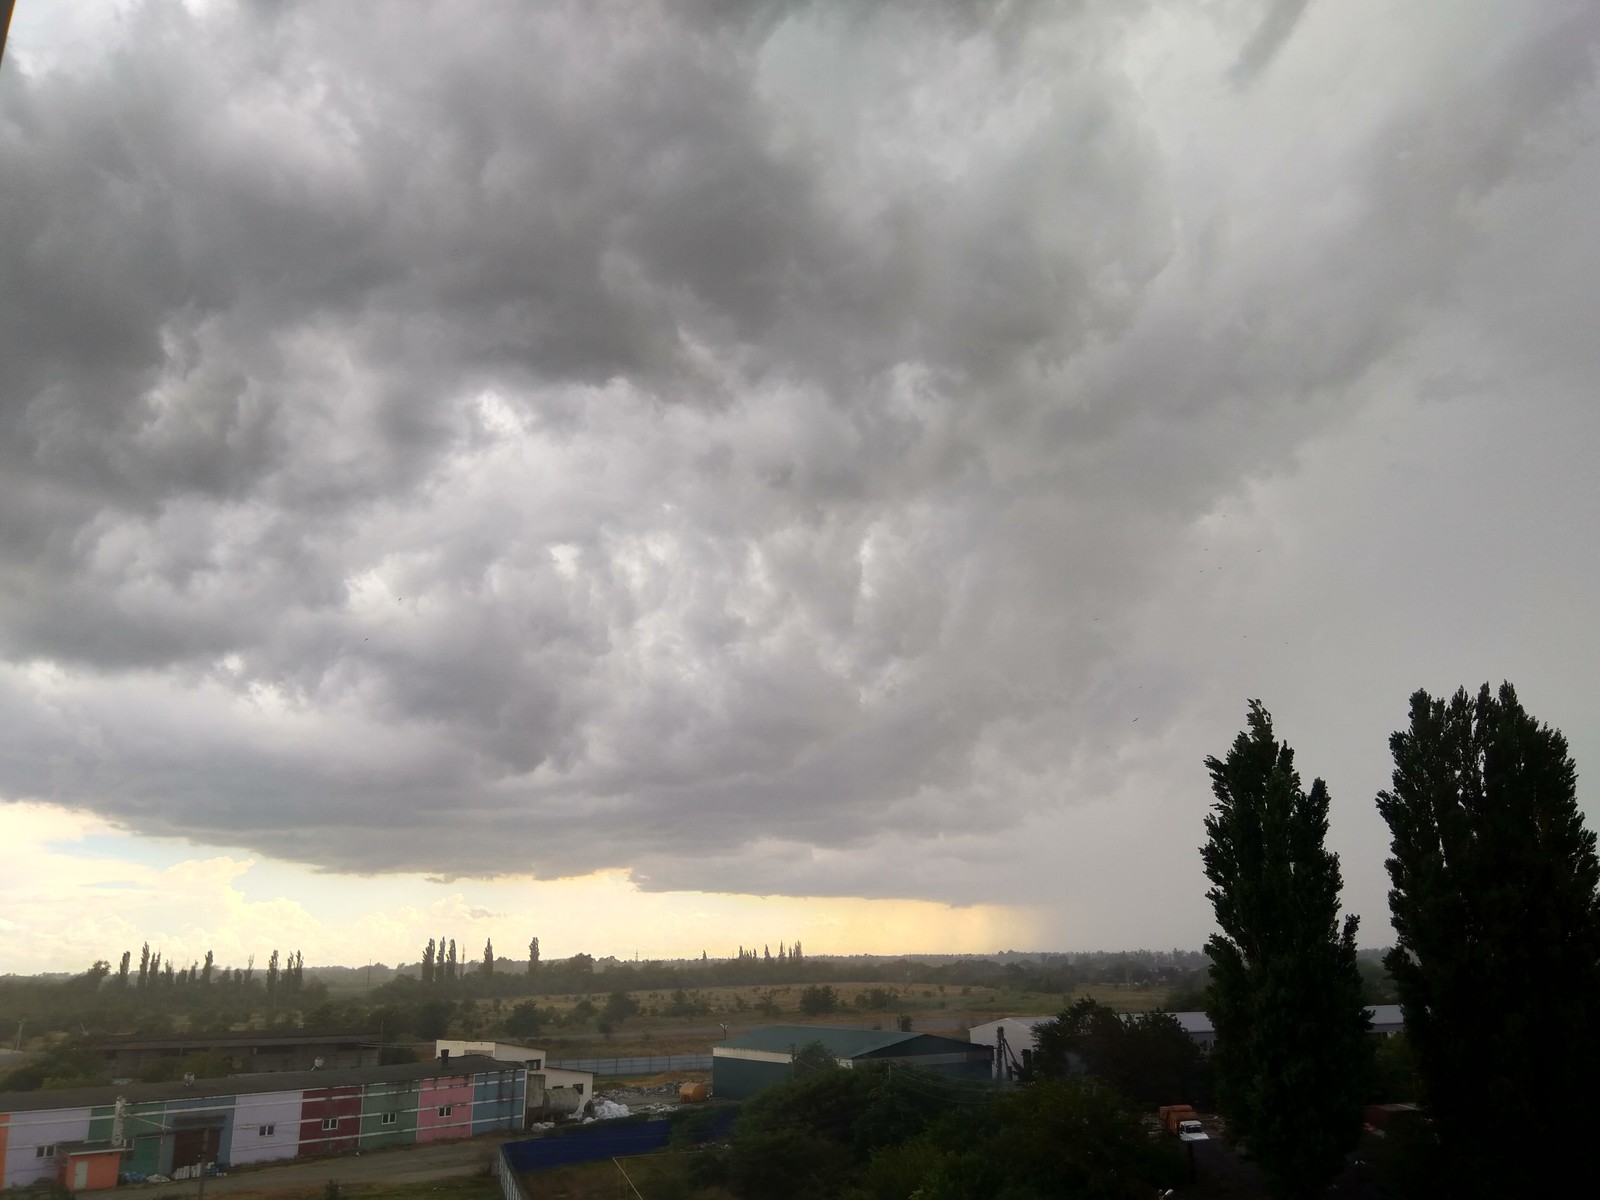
(1183, 1123)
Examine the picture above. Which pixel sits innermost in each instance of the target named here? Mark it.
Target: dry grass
(946, 1009)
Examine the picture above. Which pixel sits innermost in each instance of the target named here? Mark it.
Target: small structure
(744, 1065)
(1387, 1020)
(552, 1091)
(88, 1166)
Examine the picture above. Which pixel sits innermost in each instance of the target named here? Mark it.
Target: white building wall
(28, 1131)
(500, 1051)
(280, 1111)
(1018, 1030)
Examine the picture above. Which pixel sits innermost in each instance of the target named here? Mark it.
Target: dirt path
(402, 1164)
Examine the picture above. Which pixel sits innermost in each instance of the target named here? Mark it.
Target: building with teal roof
(744, 1065)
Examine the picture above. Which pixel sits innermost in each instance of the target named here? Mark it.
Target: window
(45, 1151)
(266, 1131)
(390, 1118)
(446, 1110)
(533, 1064)
(578, 1087)
(329, 1124)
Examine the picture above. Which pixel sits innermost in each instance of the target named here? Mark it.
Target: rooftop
(243, 1085)
(840, 1042)
(248, 1037)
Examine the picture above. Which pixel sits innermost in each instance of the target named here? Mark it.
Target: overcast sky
(583, 468)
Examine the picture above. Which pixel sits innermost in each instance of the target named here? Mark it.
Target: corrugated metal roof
(244, 1085)
(841, 1043)
(1198, 1024)
(256, 1037)
(1387, 1014)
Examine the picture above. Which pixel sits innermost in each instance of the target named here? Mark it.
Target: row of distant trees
(155, 973)
(1496, 907)
(439, 963)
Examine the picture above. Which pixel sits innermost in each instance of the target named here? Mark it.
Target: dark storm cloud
(603, 435)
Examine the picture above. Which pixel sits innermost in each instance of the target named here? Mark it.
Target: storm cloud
(747, 444)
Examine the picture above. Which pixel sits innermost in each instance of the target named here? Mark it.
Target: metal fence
(611, 1139)
(644, 1064)
(510, 1185)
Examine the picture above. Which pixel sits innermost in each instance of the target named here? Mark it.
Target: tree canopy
(1292, 1055)
(1147, 1057)
(1497, 956)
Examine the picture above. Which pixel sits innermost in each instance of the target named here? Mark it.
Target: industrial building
(744, 1065)
(551, 1092)
(176, 1129)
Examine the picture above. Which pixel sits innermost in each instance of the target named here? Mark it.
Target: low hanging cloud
(710, 440)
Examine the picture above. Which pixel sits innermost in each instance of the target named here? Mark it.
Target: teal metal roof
(841, 1043)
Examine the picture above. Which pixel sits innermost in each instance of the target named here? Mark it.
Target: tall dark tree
(1497, 923)
(427, 962)
(144, 966)
(450, 963)
(1148, 1058)
(488, 958)
(533, 957)
(122, 969)
(1292, 1056)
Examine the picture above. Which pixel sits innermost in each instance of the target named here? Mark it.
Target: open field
(932, 1008)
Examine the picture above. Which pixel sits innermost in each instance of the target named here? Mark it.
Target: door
(80, 1174)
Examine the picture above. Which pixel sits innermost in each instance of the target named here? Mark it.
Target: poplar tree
(427, 962)
(1497, 923)
(533, 957)
(1292, 1053)
(488, 958)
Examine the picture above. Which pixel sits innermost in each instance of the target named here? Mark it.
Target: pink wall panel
(445, 1108)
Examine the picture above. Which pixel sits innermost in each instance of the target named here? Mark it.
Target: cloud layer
(753, 446)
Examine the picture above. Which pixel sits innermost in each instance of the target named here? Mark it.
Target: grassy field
(665, 1176)
(932, 1008)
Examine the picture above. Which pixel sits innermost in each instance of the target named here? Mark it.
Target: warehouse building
(744, 1065)
(178, 1129)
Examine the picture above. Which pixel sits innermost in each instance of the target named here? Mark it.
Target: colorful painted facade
(156, 1129)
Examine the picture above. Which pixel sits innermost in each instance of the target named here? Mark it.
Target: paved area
(403, 1164)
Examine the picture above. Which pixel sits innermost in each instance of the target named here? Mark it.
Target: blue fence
(609, 1140)
(643, 1064)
